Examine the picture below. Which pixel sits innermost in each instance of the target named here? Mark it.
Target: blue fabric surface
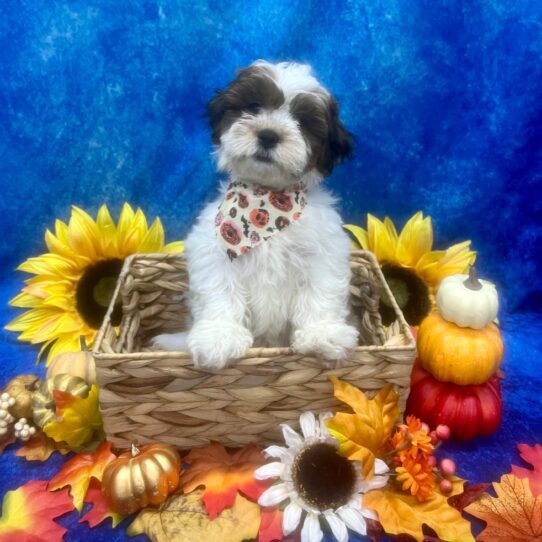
(101, 101)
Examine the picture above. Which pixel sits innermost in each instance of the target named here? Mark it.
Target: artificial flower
(69, 295)
(315, 483)
(412, 438)
(412, 269)
(412, 453)
(416, 476)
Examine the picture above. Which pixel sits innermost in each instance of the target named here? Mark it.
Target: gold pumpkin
(22, 388)
(140, 478)
(43, 403)
(463, 356)
(79, 364)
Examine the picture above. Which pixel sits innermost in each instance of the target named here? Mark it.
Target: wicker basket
(151, 396)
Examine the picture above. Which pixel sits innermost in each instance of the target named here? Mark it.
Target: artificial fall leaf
(40, 448)
(28, 513)
(363, 434)
(533, 456)
(7, 439)
(79, 418)
(182, 517)
(223, 475)
(470, 494)
(100, 509)
(400, 514)
(515, 515)
(78, 471)
(270, 525)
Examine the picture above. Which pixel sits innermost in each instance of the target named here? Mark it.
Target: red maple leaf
(100, 510)
(28, 513)
(533, 456)
(270, 525)
(223, 474)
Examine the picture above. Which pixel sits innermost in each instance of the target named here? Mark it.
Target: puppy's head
(276, 125)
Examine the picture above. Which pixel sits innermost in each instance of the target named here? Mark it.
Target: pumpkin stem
(472, 283)
(135, 450)
(83, 343)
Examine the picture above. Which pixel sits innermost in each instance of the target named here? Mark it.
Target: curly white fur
(291, 290)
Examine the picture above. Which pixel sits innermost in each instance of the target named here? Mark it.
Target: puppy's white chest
(270, 276)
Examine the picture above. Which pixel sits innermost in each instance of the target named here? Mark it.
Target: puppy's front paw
(213, 343)
(329, 340)
(175, 342)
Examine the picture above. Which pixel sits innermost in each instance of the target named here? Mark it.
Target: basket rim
(260, 352)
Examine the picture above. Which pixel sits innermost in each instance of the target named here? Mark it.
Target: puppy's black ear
(340, 142)
(215, 114)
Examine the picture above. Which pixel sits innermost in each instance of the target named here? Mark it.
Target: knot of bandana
(252, 214)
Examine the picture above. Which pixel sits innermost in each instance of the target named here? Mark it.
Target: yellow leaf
(183, 517)
(79, 418)
(363, 434)
(400, 513)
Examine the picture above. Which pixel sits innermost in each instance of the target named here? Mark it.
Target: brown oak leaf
(515, 515)
(183, 517)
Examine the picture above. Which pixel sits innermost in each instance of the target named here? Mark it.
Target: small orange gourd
(141, 477)
(460, 355)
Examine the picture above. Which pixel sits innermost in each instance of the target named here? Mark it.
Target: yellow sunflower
(68, 297)
(412, 269)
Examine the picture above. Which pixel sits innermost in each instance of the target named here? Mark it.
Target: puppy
(268, 261)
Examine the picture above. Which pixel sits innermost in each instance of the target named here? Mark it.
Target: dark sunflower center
(410, 292)
(322, 477)
(95, 290)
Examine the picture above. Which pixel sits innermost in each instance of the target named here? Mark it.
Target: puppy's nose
(268, 138)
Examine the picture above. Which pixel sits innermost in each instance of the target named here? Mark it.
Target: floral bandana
(252, 214)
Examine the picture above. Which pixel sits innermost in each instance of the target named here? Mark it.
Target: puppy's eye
(253, 107)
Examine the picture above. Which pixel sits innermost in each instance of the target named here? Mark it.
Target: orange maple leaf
(78, 471)
(515, 515)
(533, 456)
(223, 475)
(28, 513)
(100, 510)
(40, 448)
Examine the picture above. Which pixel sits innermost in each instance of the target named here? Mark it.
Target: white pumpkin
(467, 301)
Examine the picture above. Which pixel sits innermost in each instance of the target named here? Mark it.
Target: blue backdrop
(101, 101)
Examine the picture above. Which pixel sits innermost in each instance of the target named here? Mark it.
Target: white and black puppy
(268, 261)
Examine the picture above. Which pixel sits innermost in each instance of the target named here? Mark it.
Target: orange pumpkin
(460, 355)
(141, 478)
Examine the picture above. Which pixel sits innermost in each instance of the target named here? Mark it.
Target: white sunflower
(314, 482)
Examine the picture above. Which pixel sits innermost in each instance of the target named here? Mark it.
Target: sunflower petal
(380, 241)
(50, 265)
(359, 234)
(107, 233)
(154, 238)
(415, 240)
(83, 234)
(25, 300)
(177, 247)
(435, 266)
